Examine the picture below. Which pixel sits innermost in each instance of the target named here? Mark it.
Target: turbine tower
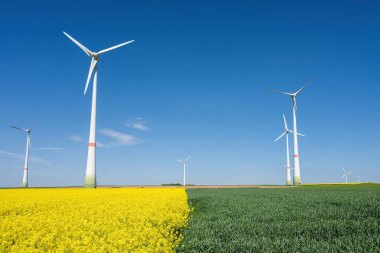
(90, 180)
(25, 177)
(184, 168)
(296, 163)
(287, 166)
(345, 174)
(288, 177)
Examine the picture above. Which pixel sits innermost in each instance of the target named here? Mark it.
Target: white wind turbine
(297, 174)
(287, 166)
(25, 177)
(90, 180)
(184, 168)
(345, 174)
(358, 179)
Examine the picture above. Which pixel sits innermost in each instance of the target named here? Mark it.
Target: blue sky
(196, 81)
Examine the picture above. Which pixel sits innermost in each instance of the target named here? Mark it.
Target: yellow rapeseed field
(92, 220)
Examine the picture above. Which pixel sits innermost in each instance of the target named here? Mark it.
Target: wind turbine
(358, 178)
(25, 177)
(184, 168)
(345, 174)
(287, 166)
(90, 180)
(297, 174)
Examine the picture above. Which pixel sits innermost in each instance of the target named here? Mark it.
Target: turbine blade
(19, 128)
(114, 47)
(303, 88)
(282, 92)
(30, 145)
(286, 125)
(188, 158)
(179, 161)
(280, 136)
(88, 52)
(92, 66)
(297, 133)
(344, 170)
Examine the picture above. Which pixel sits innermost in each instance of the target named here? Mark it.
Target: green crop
(303, 219)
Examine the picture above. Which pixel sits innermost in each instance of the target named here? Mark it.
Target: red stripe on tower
(92, 144)
(296, 156)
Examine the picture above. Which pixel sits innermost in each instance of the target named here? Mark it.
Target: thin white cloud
(50, 148)
(100, 144)
(76, 138)
(5, 155)
(120, 139)
(139, 124)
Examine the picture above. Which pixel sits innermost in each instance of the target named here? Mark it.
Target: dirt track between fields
(167, 186)
(235, 186)
(200, 186)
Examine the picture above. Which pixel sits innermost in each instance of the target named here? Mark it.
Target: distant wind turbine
(345, 174)
(184, 168)
(358, 179)
(90, 180)
(287, 166)
(25, 177)
(297, 174)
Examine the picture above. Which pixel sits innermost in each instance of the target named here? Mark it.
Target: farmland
(85, 220)
(313, 218)
(304, 219)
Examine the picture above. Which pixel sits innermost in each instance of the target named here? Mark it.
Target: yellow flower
(83, 220)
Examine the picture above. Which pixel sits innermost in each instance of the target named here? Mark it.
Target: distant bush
(172, 184)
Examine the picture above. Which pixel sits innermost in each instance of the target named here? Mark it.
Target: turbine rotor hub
(95, 57)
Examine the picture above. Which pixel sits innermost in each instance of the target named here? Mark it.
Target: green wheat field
(318, 218)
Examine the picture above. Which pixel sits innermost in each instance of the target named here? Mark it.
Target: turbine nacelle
(297, 174)
(287, 130)
(184, 161)
(27, 130)
(94, 56)
(90, 180)
(293, 95)
(346, 172)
